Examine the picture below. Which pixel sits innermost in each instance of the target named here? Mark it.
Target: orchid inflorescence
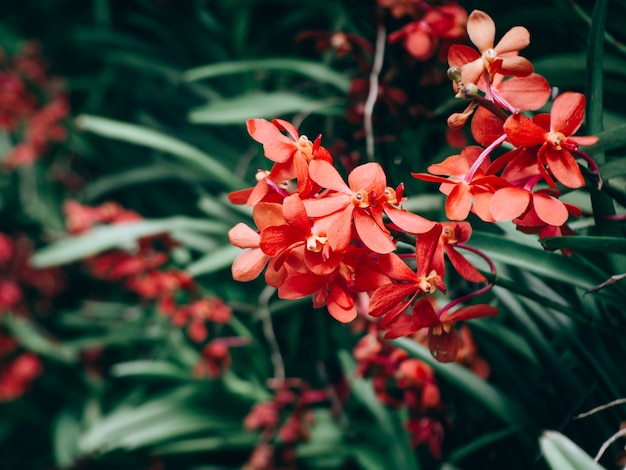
(319, 235)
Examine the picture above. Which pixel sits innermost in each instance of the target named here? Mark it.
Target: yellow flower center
(447, 235)
(305, 146)
(444, 327)
(489, 56)
(427, 283)
(360, 199)
(316, 242)
(556, 139)
(391, 196)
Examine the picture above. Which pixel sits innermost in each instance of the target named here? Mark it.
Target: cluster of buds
(284, 421)
(18, 369)
(24, 291)
(32, 106)
(144, 271)
(520, 185)
(430, 28)
(334, 240)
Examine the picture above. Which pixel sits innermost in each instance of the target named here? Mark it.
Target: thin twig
(619, 401)
(608, 442)
(270, 336)
(368, 110)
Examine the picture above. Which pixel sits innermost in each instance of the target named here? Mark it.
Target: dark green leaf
(587, 243)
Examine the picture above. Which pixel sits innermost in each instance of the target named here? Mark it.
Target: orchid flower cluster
(521, 184)
(144, 272)
(32, 106)
(337, 241)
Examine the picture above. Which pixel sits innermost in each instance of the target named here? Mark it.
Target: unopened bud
(457, 120)
(454, 74)
(468, 91)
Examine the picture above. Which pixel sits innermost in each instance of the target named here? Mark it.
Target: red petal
(516, 66)
(509, 203)
(550, 210)
(249, 264)
(326, 205)
(466, 269)
(325, 174)
(386, 299)
(470, 312)
(371, 234)
(486, 127)
(526, 93)
(481, 30)
(568, 111)
(445, 346)
(275, 240)
(425, 249)
(563, 166)
(299, 285)
(424, 315)
(408, 221)
(243, 236)
(287, 126)
(392, 265)
(522, 132)
(368, 177)
(295, 214)
(460, 55)
(267, 214)
(340, 305)
(515, 39)
(459, 202)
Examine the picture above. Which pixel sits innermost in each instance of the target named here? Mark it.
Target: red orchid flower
(519, 93)
(552, 135)
(299, 233)
(443, 339)
(468, 185)
(248, 265)
(454, 235)
(357, 202)
(421, 37)
(390, 300)
(501, 58)
(290, 154)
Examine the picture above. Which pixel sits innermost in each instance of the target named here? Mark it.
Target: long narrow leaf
(314, 70)
(151, 138)
(124, 235)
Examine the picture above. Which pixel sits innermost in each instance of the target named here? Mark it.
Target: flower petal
(526, 93)
(568, 111)
(325, 174)
(516, 66)
(522, 132)
(515, 39)
(369, 177)
(550, 210)
(509, 203)
(243, 236)
(564, 167)
(481, 30)
(248, 265)
(371, 234)
(459, 202)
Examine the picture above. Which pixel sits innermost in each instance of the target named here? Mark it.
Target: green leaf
(400, 453)
(231, 441)
(314, 70)
(543, 263)
(122, 236)
(562, 454)
(239, 109)
(36, 340)
(465, 381)
(154, 139)
(155, 421)
(214, 261)
(587, 243)
(66, 430)
(143, 369)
